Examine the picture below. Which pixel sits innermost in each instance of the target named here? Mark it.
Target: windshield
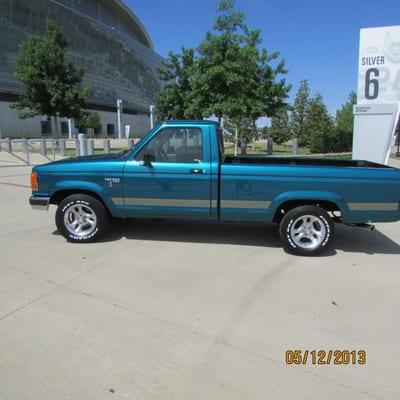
(128, 151)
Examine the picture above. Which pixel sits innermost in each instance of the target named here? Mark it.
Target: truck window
(221, 144)
(177, 145)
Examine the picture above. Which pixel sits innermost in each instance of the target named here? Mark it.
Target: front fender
(76, 184)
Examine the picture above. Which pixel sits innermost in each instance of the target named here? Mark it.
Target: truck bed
(328, 162)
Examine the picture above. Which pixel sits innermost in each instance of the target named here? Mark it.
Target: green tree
(280, 127)
(319, 125)
(88, 120)
(51, 82)
(299, 114)
(232, 78)
(172, 101)
(273, 89)
(344, 125)
(244, 126)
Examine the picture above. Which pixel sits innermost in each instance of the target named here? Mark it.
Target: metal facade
(105, 38)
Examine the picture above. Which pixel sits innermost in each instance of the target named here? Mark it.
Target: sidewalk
(18, 158)
(190, 310)
(395, 162)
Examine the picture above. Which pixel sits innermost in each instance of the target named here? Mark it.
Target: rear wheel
(307, 230)
(81, 218)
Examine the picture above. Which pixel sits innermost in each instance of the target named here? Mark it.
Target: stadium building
(105, 38)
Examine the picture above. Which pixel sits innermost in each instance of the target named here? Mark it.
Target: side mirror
(148, 159)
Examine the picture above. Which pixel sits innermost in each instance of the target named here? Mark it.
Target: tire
(307, 230)
(81, 218)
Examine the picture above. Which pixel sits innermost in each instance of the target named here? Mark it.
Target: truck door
(169, 176)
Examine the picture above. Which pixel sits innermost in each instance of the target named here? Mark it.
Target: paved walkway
(180, 310)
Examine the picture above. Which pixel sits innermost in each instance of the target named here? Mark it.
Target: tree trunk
(236, 141)
(56, 125)
(253, 146)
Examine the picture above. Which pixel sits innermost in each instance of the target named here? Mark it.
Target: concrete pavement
(180, 310)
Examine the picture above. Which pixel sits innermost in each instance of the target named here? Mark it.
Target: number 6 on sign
(371, 84)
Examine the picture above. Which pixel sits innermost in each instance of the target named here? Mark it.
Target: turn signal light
(34, 181)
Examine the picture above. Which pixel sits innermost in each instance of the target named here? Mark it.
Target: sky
(318, 40)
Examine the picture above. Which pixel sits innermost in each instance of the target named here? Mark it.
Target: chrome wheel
(308, 232)
(80, 220)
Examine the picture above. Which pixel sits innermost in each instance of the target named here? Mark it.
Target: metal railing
(53, 149)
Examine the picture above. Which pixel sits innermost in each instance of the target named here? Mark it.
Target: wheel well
(328, 206)
(59, 196)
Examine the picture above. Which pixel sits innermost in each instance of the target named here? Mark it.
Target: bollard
(53, 149)
(107, 146)
(295, 142)
(131, 143)
(7, 145)
(63, 147)
(43, 149)
(90, 147)
(82, 144)
(270, 146)
(77, 152)
(25, 149)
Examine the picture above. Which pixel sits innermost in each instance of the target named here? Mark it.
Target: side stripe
(118, 201)
(139, 201)
(373, 206)
(249, 204)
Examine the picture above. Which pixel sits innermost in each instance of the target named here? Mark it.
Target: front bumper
(39, 203)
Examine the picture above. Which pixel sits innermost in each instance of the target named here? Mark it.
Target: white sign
(378, 100)
(379, 65)
(373, 131)
(127, 131)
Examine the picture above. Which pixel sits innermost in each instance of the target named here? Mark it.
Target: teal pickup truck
(179, 170)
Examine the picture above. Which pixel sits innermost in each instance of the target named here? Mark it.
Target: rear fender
(307, 195)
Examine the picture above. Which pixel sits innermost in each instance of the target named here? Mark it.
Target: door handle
(196, 171)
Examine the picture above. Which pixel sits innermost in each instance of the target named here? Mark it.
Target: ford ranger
(179, 170)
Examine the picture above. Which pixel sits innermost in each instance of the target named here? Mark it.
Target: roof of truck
(190, 121)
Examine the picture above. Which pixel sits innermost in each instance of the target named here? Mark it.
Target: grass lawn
(281, 150)
(261, 149)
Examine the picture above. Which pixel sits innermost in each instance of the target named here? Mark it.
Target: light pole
(71, 128)
(119, 118)
(152, 109)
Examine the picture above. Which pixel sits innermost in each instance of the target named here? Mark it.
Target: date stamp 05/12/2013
(326, 357)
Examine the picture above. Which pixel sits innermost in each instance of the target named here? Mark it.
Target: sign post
(378, 101)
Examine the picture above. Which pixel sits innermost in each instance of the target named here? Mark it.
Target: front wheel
(307, 230)
(81, 218)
